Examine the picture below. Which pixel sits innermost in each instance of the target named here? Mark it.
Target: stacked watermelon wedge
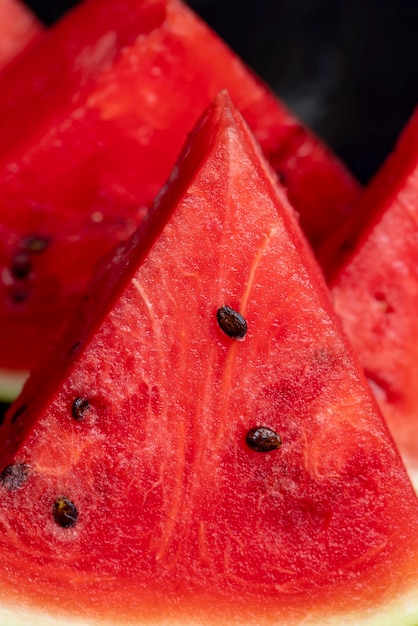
(198, 443)
(126, 81)
(376, 292)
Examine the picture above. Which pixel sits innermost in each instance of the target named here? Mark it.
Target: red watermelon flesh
(132, 492)
(18, 27)
(114, 90)
(376, 293)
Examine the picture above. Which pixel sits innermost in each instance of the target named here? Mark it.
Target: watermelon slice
(202, 448)
(114, 90)
(18, 27)
(376, 293)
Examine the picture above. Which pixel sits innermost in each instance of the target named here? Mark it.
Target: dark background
(348, 68)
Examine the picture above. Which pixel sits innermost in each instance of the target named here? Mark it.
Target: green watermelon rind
(11, 383)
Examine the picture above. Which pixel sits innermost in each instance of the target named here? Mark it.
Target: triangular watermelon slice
(202, 448)
(114, 89)
(376, 293)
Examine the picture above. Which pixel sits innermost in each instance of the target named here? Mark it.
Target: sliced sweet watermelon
(18, 27)
(114, 89)
(376, 293)
(202, 448)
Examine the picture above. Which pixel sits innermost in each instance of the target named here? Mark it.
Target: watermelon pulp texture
(134, 494)
(376, 293)
(18, 28)
(114, 90)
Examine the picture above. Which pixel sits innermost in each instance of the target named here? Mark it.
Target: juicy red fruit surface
(376, 292)
(175, 513)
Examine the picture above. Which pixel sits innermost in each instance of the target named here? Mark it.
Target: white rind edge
(413, 475)
(403, 611)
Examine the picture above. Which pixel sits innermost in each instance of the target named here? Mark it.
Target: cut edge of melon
(413, 475)
(11, 383)
(402, 611)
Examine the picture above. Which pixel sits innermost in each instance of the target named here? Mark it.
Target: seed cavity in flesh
(263, 439)
(80, 408)
(231, 322)
(18, 413)
(64, 512)
(383, 302)
(14, 476)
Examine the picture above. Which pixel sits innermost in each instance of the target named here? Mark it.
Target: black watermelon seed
(18, 296)
(14, 476)
(80, 408)
(18, 413)
(263, 439)
(36, 243)
(282, 177)
(75, 347)
(347, 245)
(231, 322)
(64, 512)
(21, 265)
